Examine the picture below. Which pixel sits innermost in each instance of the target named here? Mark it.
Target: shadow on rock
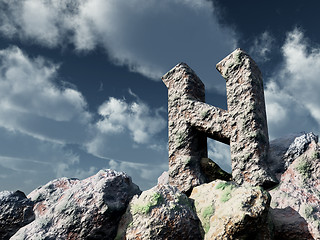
(289, 224)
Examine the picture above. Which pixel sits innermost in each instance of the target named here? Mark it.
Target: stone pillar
(243, 126)
(249, 140)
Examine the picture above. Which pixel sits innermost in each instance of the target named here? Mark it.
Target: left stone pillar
(187, 145)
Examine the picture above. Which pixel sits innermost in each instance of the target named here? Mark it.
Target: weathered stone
(15, 212)
(299, 146)
(162, 212)
(278, 148)
(284, 150)
(295, 205)
(243, 126)
(227, 211)
(164, 178)
(73, 209)
(212, 171)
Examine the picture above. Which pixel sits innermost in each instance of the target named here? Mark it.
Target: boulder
(162, 212)
(295, 205)
(285, 149)
(80, 209)
(15, 212)
(229, 211)
(297, 147)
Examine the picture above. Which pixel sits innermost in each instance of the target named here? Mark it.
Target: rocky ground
(109, 206)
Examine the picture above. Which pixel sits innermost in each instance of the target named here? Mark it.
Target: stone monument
(243, 126)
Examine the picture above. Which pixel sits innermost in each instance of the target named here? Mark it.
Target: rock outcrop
(228, 211)
(295, 205)
(162, 212)
(74, 209)
(15, 212)
(104, 206)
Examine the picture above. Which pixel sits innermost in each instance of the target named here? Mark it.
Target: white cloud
(292, 94)
(220, 154)
(144, 175)
(27, 162)
(63, 169)
(262, 46)
(148, 36)
(31, 103)
(137, 118)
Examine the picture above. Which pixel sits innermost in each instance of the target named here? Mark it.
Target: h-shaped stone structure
(243, 126)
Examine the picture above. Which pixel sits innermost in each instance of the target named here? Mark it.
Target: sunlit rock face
(15, 212)
(229, 211)
(80, 209)
(295, 205)
(162, 212)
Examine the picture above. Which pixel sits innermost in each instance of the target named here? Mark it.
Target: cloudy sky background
(80, 86)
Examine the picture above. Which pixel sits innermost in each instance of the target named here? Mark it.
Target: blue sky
(80, 86)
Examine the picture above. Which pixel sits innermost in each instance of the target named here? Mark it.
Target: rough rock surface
(212, 171)
(227, 211)
(299, 146)
(162, 212)
(278, 148)
(249, 140)
(295, 205)
(164, 178)
(15, 212)
(243, 126)
(74, 209)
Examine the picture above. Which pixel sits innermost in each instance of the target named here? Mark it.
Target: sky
(81, 89)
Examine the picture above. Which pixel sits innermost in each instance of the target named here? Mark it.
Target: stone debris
(15, 212)
(228, 211)
(162, 212)
(79, 209)
(243, 126)
(295, 205)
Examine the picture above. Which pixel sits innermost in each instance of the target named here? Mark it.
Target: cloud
(147, 36)
(292, 93)
(129, 137)
(143, 162)
(38, 119)
(32, 103)
(27, 162)
(47, 132)
(220, 154)
(137, 118)
(144, 175)
(262, 46)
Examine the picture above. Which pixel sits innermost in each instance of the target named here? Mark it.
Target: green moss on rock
(304, 168)
(206, 215)
(155, 200)
(227, 189)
